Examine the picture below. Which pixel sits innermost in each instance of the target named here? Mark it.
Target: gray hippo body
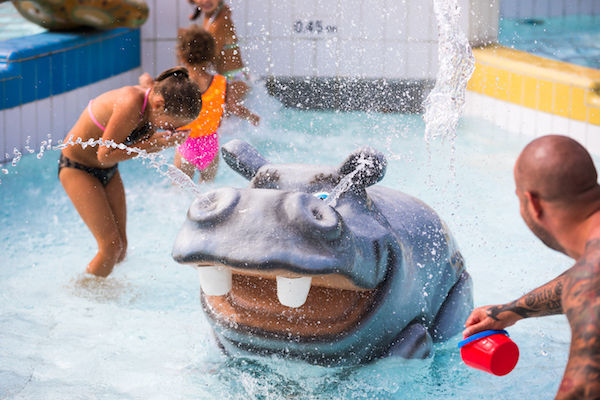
(386, 277)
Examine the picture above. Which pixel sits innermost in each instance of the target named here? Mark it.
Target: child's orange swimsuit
(202, 144)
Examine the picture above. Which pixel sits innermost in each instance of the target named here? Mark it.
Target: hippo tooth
(292, 292)
(215, 281)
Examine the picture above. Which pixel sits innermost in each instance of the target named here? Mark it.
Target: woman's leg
(91, 202)
(116, 198)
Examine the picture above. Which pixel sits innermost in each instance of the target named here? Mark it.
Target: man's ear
(534, 205)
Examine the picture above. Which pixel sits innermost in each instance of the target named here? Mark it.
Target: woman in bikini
(134, 116)
(215, 17)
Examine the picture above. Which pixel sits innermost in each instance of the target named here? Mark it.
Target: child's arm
(124, 119)
(234, 107)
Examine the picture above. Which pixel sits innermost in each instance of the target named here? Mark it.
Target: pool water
(141, 334)
(574, 39)
(13, 25)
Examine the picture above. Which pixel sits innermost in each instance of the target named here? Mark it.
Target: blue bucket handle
(481, 335)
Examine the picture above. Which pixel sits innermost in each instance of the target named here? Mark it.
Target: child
(216, 19)
(130, 115)
(195, 48)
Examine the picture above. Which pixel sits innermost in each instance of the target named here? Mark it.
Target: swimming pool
(141, 334)
(572, 38)
(13, 25)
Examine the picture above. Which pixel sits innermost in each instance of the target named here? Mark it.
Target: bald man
(559, 196)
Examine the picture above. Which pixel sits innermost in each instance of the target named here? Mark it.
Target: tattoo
(545, 300)
(581, 302)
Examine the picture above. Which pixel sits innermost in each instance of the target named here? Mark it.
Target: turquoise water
(13, 25)
(574, 39)
(141, 334)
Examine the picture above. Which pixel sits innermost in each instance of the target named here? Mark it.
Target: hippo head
(301, 252)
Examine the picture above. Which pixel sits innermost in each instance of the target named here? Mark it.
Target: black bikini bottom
(104, 175)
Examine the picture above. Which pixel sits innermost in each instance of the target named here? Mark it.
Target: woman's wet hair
(195, 46)
(182, 96)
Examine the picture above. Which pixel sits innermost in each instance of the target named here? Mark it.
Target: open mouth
(282, 303)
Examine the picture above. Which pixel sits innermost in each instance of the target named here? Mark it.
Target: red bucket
(490, 351)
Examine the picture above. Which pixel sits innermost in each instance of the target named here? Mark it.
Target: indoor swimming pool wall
(47, 78)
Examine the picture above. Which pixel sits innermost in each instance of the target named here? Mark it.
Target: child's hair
(195, 46)
(183, 97)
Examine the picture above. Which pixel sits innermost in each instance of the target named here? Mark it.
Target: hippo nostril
(214, 206)
(314, 217)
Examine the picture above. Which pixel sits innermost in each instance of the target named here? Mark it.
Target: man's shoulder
(590, 258)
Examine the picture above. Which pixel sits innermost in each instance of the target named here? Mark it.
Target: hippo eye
(321, 195)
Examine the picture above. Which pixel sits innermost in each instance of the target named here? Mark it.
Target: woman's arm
(124, 118)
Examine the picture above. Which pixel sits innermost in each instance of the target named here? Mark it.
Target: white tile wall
(149, 56)
(239, 15)
(532, 123)
(44, 117)
(418, 60)
(420, 20)
(372, 23)
(165, 50)
(327, 57)
(395, 60)
(374, 60)
(303, 57)
(281, 22)
(148, 30)
(28, 122)
(579, 131)
(396, 20)
(265, 31)
(258, 22)
(257, 57)
(560, 124)
(12, 136)
(351, 56)
(58, 126)
(166, 21)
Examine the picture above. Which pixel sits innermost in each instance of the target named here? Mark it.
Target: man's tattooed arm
(545, 300)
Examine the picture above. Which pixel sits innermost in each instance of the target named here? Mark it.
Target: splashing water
(156, 160)
(346, 182)
(443, 106)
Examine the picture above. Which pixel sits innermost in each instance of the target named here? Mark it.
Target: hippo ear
(367, 165)
(242, 158)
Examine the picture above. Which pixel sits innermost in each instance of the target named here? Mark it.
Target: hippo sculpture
(318, 263)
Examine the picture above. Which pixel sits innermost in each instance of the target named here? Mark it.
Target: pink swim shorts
(200, 151)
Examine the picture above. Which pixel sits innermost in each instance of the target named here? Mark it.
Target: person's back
(581, 304)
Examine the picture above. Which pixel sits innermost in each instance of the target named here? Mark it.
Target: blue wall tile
(12, 92)
(57, 65)
(42, 74)
(28, 80)
(38, 66)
